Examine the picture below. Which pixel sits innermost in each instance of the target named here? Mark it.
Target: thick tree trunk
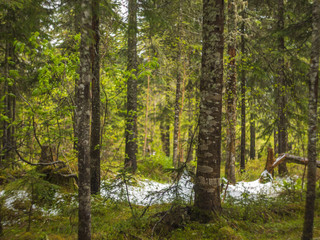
(243, 107)
(312, 134)
(231, 97)
(131, 128)
(207, 184)
(282, 91)
(95, 121)
(83, 124)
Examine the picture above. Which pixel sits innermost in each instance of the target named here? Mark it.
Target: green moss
(227, 233)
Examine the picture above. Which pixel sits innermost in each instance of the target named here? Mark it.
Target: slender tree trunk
(5, 108)
(231, 97)
(243, 107)
(166, 123)
(146, 119)
(177, 106)
(83, 124)
(96, 102)
(190, 115)
(131, 128)
(282, 91)
(9, 108)
(207, 184)
(312, 134)
(77, 21)
(180, 158)
(252, 136)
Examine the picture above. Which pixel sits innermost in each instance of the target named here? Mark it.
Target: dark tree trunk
(252, 136)
(8, 139)
(177, 106)
(230, 169)
(146, 119)
(282, 91)
(131, 128)
(243, 107)
(167, 137)
(176, 124)
(312, 134)
(77, 21)
(167, 122)
(207, 184)
(190, 115)
(3, 153)
(83, 124)
(95, 122)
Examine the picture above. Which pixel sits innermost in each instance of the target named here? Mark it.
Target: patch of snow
(150, 192)
(15, 195)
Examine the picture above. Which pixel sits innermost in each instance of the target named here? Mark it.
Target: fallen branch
(39, 163)
(291, 159)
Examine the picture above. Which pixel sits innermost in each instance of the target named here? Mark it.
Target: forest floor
(251, 210)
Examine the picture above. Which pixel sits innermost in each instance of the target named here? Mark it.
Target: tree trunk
(282, 91)
(95, 121)
(243, 107)
(83, 124)
(252, 131)
(190, 115)
(3, 154)
(77, 29)
(207, 184)
(8, 140)
(131, 126)
(180, 155)
(231, 97)
(312, 135)
(146, 120)
(177, 106)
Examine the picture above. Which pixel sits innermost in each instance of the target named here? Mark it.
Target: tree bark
(8, 140)
(83, 124)
(131, 126)
(77, 29)
(190, 115)
(252, 130)
(207, 184)
(96, 102)
(243, 106)
(231, 97)
(282, 91)
(146, 118)
(312, 134)
(177, 106)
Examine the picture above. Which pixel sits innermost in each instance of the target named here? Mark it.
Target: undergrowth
(259, 218)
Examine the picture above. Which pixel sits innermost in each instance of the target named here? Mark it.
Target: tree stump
(59, 173)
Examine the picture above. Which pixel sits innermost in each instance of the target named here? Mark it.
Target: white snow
(151, 192)
(148, 192)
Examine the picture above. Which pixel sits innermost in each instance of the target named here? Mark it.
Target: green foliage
(154, 167)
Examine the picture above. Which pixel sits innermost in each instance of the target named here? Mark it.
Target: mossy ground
(280, 218)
